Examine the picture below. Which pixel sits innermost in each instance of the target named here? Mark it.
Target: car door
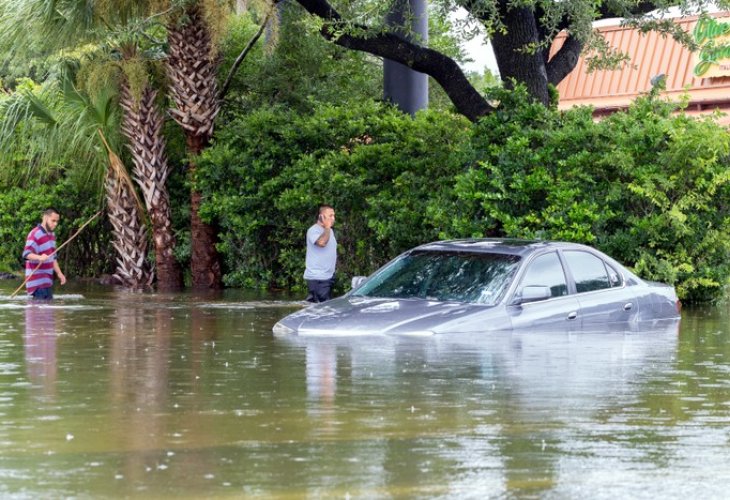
(560, 310)
(602, 294)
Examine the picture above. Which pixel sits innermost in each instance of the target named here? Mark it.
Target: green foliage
(51, 131)
(299, 70)
(20, 211)
(648, 187)
(271, 169)
(50, 155)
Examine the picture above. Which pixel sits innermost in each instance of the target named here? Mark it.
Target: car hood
(364, 315)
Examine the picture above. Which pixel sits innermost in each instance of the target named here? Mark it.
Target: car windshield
(476, 278)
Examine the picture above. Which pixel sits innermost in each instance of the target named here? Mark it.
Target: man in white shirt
(321, 257)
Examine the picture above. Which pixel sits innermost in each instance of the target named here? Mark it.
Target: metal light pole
(402, 86)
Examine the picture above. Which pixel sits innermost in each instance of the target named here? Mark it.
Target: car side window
(589, 271)
(546, 270)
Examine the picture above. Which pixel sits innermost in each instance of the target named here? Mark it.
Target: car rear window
(589, 272)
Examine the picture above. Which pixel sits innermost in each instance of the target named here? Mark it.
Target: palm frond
(41, 130)
(39, 110)
(31, 28)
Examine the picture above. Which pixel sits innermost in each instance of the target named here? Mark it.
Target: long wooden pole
(56, 251)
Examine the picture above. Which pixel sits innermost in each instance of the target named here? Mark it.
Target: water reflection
(510, 404)
(139, 365)
(321, 367)
(165, 396)
(39, 340)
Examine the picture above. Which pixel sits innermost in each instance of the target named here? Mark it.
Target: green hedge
(21, 210)
(269, 171)
(648, 187)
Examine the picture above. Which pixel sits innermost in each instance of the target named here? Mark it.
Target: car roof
(509, 246)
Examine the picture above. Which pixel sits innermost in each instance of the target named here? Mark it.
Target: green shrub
(647, 186)
(20, 211)
(269, 171)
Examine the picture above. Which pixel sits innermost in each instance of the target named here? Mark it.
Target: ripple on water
(57, 296)
(59, 302)
(258, 304)
(9, 368)
(48, 418)
(11, 305)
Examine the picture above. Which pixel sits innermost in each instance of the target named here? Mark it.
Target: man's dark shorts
(43, 293)
(320, 290)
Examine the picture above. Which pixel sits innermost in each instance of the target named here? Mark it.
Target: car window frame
(521, 276)
(606, 265)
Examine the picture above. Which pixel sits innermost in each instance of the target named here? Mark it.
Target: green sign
(713, 37)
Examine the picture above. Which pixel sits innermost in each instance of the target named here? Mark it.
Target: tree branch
(610, 9)
(564, 60)
(441, 68)
(239, 60)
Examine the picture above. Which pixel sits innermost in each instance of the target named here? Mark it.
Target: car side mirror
(358, 280)
(533, 293)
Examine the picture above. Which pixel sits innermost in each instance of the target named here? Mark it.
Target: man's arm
(61, 276)
(37, 257)
(324, 237)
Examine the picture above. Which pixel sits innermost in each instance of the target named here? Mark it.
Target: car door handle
(572, 315)
(628, 306)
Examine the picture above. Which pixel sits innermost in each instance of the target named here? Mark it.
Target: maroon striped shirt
(39, 242)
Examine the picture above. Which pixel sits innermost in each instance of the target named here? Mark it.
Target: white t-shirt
(320, 261)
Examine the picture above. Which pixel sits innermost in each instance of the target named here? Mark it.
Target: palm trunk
(192, 71)
(205, 260)
(129, 235)
(142, 126)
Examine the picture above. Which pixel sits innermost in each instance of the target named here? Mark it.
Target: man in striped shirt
(40, 257)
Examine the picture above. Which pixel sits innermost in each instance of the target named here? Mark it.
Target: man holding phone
(321, 256)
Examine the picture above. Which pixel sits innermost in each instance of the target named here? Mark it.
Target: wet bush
(647, 186)
(379, 168)
(21, 210)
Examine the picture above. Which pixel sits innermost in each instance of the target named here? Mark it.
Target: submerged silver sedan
(480, 285)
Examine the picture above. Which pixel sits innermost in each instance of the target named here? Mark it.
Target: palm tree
(74, 22)
(142, 126)
(130, 235)
(192, 71)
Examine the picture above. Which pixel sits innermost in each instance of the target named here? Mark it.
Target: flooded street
(111, 394)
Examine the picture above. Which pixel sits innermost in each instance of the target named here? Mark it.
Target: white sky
(479, 49)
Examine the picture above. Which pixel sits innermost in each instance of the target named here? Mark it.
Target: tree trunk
(515, 63)
(192, 71)
(467, 100)
(205, 260)
(130, 235)
(142, 126)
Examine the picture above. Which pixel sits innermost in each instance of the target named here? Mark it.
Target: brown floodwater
(107, 394)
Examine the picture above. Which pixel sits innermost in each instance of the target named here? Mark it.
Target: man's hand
(61, 278)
